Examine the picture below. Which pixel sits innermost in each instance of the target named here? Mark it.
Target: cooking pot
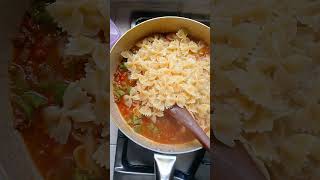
(164, 153)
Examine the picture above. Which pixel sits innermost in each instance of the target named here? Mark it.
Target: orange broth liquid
(170, 131)
(49, 156)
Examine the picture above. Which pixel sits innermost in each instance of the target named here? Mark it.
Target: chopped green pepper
(123, 66)
(129, 89)
(56, 88)
(39, 13)
(119, 93)
(24, 106)
(136, 120)
(34, 99)
(137, 128)
(28, 102)
(18, 79)
(153, 128)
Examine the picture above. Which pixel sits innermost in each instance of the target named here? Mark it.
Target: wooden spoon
(183, 116)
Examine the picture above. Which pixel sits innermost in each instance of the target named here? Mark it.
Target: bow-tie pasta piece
(226, 124)
(101, 155)
(76, 108)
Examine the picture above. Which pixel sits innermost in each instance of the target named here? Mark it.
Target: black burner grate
(137, 162)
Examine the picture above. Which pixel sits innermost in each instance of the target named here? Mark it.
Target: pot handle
(164, 166)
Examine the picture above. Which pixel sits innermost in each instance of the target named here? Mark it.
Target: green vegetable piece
(39, 13)
(123, 66)
(129, 121)
(18, 81)
(34, 99)
(136, 120)
(25, 107)
(119, 93)
(137, 128)
(129, 89)
(153, 128)
(28, 102)
(56, 88)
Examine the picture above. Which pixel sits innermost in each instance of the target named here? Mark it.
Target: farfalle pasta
(180, 78)
(101, 155)
(76, 107)
(229, 129)
(266, 70)
(84, 17)
(160, 71)
(83, 45)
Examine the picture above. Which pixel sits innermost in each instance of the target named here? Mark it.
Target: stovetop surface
(136, 163)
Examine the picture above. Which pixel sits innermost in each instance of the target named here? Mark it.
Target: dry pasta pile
(267, 83)
(168, 73)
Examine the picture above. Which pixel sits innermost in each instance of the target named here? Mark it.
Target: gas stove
(136, 163)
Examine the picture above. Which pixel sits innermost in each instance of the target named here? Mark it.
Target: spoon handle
(183, 116)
